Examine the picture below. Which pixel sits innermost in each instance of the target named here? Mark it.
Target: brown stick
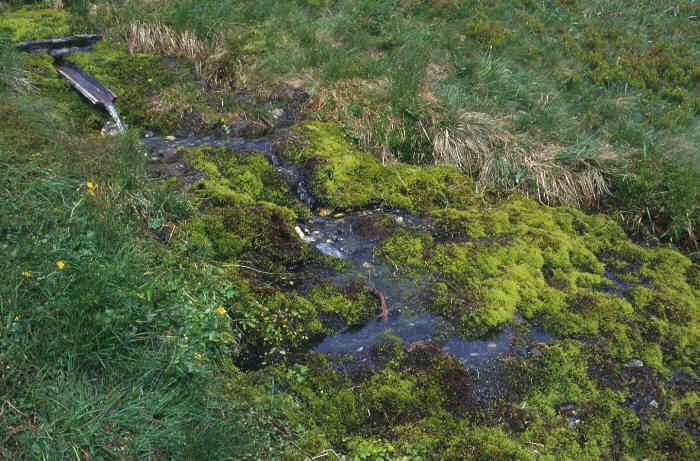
(382, 300)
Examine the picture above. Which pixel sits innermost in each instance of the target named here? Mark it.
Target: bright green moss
(35, 24)
(527, 258)
(550, 265)
(344, 178)
(247, 175)
(471, 223)
(405, 251)
(247, 209)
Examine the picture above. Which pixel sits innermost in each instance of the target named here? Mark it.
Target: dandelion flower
(60, 265)
(90, 185)
(221, 310)
(26, 274)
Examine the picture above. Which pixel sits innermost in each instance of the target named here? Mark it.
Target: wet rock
(303, 235)
(110, 129)
(573, 422)
(280, 117)
(420, 354)
(246, 129)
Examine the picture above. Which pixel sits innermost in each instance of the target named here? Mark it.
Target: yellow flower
(60, 265)
(90, 185)
(26, 274)
(221, 310)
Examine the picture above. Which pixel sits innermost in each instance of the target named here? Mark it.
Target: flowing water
(115, 116)
(354, 239)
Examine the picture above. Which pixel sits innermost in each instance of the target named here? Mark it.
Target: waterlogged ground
(354, 238)
(506, 322)
(513, 331)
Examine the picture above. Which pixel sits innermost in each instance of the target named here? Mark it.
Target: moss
(35, 24)
(488, 33)
(344, 178)
(472, 223)
(352, 306)
(549, 265)
(247, 210)
(405, 251)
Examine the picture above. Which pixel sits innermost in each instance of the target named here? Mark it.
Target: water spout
(115, 116)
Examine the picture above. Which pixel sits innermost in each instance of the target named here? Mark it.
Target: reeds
(480, 145)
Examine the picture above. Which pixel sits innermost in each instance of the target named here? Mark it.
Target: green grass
(120, 352)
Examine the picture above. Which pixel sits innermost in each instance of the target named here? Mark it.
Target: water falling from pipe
(115, 116)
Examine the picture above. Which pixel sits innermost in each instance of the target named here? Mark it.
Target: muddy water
(353, 239)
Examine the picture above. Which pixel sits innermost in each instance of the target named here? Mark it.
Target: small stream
(352, 238)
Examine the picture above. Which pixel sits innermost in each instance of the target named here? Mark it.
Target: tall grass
(11, 73)
(108, 346)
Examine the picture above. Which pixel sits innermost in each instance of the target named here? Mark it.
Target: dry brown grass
(210, 59)
(159, 38)
(480, 145)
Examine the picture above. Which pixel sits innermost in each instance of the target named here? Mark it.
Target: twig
(243, 266)
(382, 300)
(324, 454)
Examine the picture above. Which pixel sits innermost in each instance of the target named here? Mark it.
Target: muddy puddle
(354, 238)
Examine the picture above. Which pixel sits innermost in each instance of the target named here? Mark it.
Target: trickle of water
(406, 295)
(115, 116)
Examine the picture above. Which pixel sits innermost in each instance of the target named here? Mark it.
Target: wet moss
(576, 275)
(406, 251)
(343, 178)
(247, 211)
(351, 306)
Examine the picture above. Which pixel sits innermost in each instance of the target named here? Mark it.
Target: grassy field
(129, 328)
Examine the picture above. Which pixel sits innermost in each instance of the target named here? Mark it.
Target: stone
(246, 129)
